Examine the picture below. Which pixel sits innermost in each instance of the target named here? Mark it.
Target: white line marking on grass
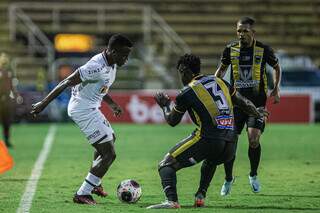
(26, 200)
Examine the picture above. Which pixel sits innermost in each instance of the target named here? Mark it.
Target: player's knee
(111, 156)
(254, 143)
(107, 160)
(254, 140)
(209, 163)
(168, 160)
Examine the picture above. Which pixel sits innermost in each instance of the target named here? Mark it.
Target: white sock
(88, 184)
(93, 179)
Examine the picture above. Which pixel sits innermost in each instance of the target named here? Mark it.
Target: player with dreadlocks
(209, 102)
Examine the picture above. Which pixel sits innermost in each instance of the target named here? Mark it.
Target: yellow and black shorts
(194, 149)
(241, 118)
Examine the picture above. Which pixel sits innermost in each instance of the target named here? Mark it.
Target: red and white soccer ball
(129, 191)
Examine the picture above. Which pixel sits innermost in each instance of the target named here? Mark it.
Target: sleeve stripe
(177, 110)
(234, 92)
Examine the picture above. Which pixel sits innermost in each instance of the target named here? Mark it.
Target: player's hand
(263, 112)
(162, 99)
(117, 110)
(37, 108)
(276, 95)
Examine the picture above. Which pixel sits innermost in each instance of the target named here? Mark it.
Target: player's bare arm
(117, 110)
(276, 81)
(221, 71)
(71, 80)
(172, 116)
(248, 107)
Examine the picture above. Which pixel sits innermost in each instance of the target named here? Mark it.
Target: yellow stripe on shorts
(187, 144)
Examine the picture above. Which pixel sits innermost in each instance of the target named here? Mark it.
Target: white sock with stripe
(88, 184)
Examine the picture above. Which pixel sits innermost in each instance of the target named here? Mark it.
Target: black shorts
(194, 149)
(242, 118)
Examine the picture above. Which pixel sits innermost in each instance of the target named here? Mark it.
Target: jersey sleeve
(232, 89)
(181, 105)
(271, 59)
(225, 58)
(91, 71)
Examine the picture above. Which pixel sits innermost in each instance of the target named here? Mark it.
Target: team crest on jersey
(104, 90)
(224, 122)
(245, 72)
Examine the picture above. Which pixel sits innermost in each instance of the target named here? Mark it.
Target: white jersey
(97, 77)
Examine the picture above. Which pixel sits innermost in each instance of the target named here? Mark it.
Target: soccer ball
(129, 191)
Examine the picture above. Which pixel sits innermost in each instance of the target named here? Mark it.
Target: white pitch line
(26, 200)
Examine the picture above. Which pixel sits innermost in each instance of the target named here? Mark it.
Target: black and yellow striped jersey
(208, 102)
(248, 69)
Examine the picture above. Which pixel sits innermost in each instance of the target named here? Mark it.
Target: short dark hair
(118, 40)
(191, 61)
(246, 20)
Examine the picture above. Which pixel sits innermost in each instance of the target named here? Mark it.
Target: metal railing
(153, 28)
(38, 42)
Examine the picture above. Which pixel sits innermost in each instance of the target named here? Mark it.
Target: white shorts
(93, 124)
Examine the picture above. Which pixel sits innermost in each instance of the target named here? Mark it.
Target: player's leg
(99, 167)
(105, 158)
(6, 123)
(220, 151)
(184, 154)
(255, 129)
(100, 135)
(98, 190)
(208, 169)
(228, 167)
(215, 150)
(167, 169)
(254, 151)
(240, 120)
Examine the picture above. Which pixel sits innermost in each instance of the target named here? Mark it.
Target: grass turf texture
(289, 171)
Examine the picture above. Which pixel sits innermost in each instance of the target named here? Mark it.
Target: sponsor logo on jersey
(94, 135)
(224, 122)
(104, 90)
(246, 84)
(98, 69)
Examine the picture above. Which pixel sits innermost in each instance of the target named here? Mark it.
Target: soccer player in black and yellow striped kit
(209, 101)
(248, 58)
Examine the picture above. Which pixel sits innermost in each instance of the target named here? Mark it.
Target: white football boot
(165, 205)
(254, 183)
(226, 187)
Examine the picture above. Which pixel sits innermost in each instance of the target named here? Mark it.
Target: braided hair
(191, 61)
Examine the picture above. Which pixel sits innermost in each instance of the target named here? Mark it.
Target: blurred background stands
(161, 30)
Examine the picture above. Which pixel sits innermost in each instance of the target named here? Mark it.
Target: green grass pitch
(289, 170)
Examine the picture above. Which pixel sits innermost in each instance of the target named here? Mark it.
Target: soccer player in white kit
(90, 84)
